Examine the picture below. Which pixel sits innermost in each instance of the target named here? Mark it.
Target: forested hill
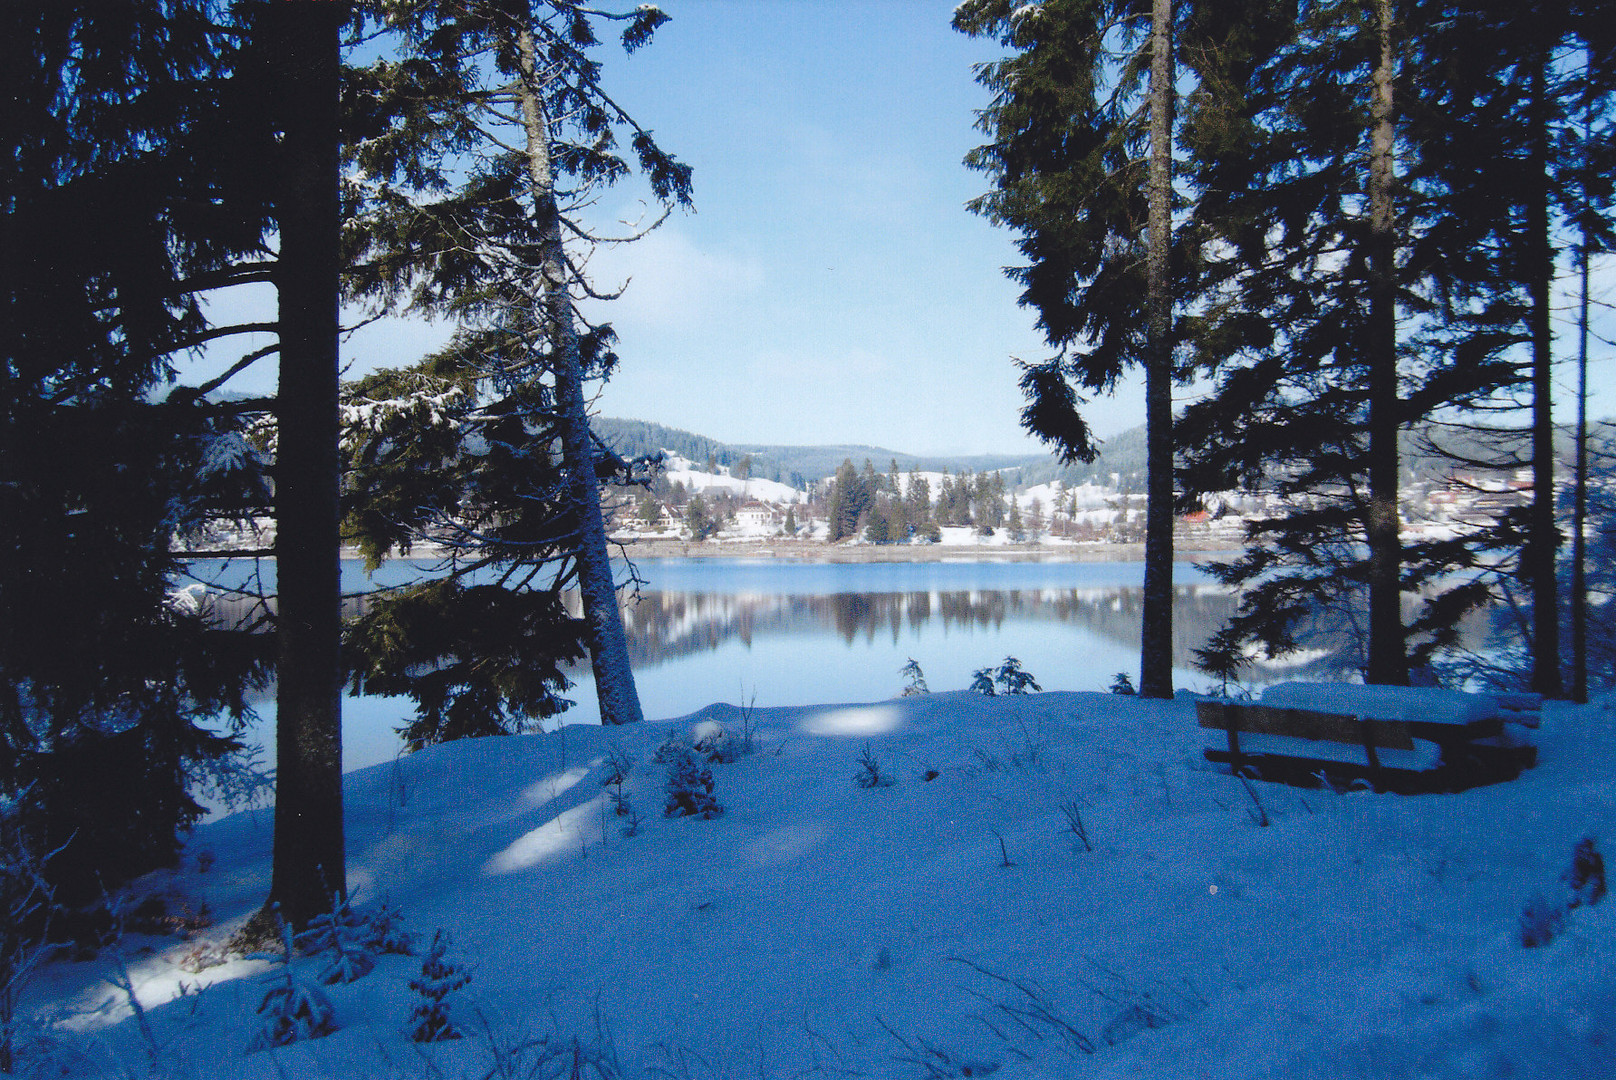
(1123, 454)
(1121, 463)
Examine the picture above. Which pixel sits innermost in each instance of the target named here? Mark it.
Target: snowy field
(951, 923)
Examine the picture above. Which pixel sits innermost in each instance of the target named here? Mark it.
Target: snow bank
(954, 920)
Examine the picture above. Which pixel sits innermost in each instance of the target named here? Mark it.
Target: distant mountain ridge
(1121, 464)
(799, 466)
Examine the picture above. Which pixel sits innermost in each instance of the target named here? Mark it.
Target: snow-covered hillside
(951, 923)
(680, 470)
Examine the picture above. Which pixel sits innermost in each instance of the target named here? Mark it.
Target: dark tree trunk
(309, 862)
(1156, 635)
(1543, 539)
(608, 643)
(1387, 658)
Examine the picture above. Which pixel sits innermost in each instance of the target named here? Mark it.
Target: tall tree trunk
(1579, 514)
(1387, 657)
(608, 643)
(1543, 539)
(1156, 634)
(309, 862)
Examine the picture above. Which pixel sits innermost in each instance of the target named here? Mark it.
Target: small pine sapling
(982, 682)
(1223, 657)
(870, 774)
(1012, 679)
(292, 1011)
(916, 684)
(342, 937)
(1123, 685)
(690, 787)
(1586, 875)
(430, 1020)
(1541, 922)
(384, 931)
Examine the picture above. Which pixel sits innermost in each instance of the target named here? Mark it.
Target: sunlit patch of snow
(783, 845)
(551, 786)
(157, 980)
(563, 833)
(853, 720)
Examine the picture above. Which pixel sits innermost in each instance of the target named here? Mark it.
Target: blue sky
(830, 286)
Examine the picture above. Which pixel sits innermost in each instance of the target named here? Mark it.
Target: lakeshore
(819, 551)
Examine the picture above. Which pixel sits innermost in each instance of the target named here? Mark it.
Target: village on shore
(712, 509)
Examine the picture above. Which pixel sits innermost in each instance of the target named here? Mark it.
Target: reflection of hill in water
(665, 625)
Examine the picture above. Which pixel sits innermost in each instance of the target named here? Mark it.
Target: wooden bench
(1394, 738)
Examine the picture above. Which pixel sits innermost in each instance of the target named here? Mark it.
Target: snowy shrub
(1012, 679)
(917, 679)
(715, 743)
(384, 931)
(870, 774)
(1121, 684)
(350, 938)
(292, 1011)
(669, 749)
(1541, 922)
(338, 935)
(690, 786)
(440, 977)
(982, 682)
(618, 767)
(1586, 876)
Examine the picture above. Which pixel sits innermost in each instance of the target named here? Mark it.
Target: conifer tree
(309, 863)
(1367, 178)
(1068, 120)
(120, 205)
(474, 194)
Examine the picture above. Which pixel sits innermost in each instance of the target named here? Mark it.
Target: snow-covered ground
(952, 923)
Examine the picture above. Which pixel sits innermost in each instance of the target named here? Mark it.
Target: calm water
(792, 633)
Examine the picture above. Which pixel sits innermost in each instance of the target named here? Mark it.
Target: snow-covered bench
(1398, 738)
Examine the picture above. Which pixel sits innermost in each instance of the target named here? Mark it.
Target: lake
(778, 632)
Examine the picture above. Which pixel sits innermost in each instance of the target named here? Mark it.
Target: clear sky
(830, 286)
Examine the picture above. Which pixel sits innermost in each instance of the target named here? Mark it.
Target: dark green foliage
(1279, 137)
(850, 498)
(123, 194)
(479, 148)
(430, 1019)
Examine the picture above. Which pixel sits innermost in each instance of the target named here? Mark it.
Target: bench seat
(1395, 738)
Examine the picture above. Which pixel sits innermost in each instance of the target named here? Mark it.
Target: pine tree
(121, 203)
(509, 133)
(1369, 185)
(309, 855)
(1095, 227)
(430, 1019)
